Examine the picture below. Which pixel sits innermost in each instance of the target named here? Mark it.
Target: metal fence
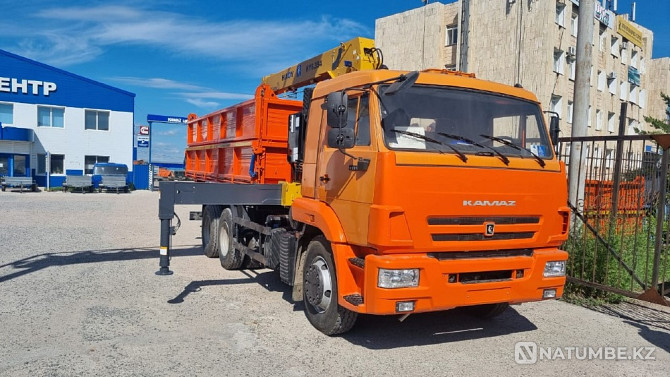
(619, 240)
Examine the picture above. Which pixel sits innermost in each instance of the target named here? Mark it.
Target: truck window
(432, 118)
(358, 118)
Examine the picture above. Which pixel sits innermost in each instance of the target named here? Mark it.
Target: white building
(54, 123)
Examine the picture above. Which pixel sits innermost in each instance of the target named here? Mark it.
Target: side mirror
(554, 130)
(336, 109)
(404, 82)
(341, 138)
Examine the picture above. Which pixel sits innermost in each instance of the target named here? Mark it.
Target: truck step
(358, 262)
(354, 299)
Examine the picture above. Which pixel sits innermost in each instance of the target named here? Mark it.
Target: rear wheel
(210, 231)
(230, 258)
(320, 291)
(488, 310)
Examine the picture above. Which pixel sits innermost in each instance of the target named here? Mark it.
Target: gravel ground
(78, 296)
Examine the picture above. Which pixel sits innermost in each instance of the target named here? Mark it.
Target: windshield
(450, 120)
(110, 170)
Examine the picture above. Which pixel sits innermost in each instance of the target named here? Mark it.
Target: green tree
(659, 126)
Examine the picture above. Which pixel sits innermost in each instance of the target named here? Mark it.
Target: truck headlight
(555, 268)
(398, 278)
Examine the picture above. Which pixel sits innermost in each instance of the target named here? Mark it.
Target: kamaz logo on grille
(489, 203)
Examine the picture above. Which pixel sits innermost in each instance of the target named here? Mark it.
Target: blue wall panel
(141, 177)
(70, 89)
(57, 181)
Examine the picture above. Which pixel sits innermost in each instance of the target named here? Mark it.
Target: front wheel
(320, 291)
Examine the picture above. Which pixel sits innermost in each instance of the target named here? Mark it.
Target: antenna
(633, 12)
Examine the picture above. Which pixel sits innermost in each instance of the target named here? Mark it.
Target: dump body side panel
(244, 143)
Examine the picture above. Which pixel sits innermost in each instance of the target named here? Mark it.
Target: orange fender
(320, 215)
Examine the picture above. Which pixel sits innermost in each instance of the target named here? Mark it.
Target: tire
(210, 231)
(230, 258)
(487, 311)
(320, 291)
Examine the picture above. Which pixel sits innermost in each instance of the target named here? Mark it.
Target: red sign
(144, 130)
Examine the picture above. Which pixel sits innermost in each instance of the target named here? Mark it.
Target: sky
(182, 57)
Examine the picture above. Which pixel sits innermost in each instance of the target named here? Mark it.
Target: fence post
(617, 163)
(660, 215)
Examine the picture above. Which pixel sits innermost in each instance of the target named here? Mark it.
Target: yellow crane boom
(354, 55)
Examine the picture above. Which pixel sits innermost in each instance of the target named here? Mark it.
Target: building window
(643, 99)
(588, 121)
(559, 57)
(50, 116)
(624, 53)
(570, 112)
(632, 125)
(614, 46)
(632, 96)
(599, 120)
(609, 153)
(601, 80)
(633, 58)
(6, 113)
(41, 163)
(556, 104)
(57, 164)
(574, 24)
(596, 156)
(560, 14)
(96, 120)
(623, 90)
(641, 65)
(612, 83)
(89, 161)
(452, 35)
(571, 67)
(610, 122)
(602, 37)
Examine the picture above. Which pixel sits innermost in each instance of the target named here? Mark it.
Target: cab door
(339, 182)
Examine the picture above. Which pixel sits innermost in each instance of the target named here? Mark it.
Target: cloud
(169, 133)
(69, 35)
(218, 95)
(156, 82)
(196, 95)
(203, 104)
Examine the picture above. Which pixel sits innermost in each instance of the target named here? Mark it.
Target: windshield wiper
(517, 147)
(476, 144)
(430, 139)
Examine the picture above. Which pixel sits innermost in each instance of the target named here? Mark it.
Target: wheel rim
(224, 238)
(318, 285)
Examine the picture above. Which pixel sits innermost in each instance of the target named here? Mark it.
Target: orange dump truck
(381, 192)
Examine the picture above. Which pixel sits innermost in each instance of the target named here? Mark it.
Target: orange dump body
(244, 143)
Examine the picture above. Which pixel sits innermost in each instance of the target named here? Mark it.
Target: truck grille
(482, 220)
(484, 277)
(452, 255)
(481, 237)
(472, 228)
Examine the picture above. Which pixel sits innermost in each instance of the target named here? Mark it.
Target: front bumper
(436, 292)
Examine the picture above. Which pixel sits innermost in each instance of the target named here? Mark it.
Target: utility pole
(576, 171)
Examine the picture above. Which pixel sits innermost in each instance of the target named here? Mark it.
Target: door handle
(324, 178)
